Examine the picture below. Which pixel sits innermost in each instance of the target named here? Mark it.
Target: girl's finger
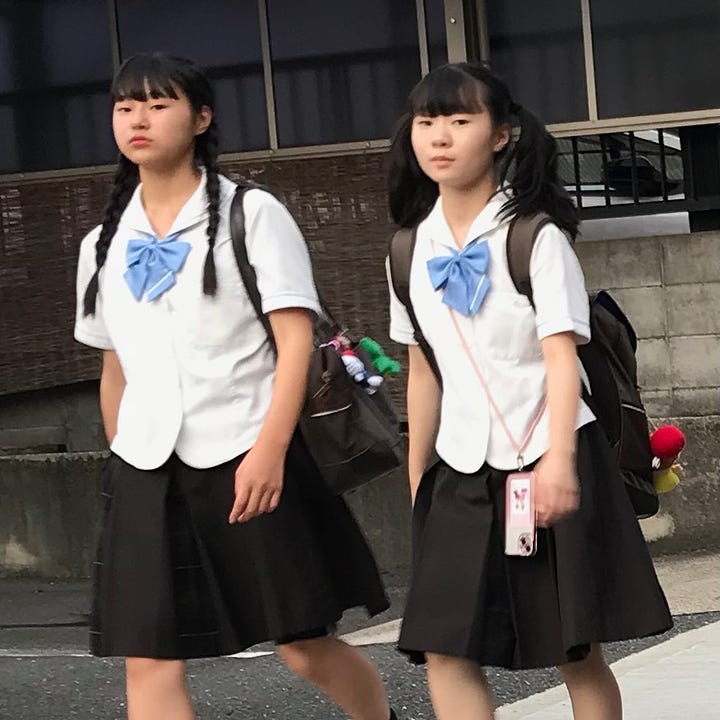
(251, 509)
(242, 495)
(264, 503)
(274, 501)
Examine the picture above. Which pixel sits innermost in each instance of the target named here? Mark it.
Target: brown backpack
(609, 358)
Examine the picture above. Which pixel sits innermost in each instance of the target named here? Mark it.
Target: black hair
(158, 75)
(528, 165)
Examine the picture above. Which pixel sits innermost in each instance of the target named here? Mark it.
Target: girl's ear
(203, 120)
(502, 137)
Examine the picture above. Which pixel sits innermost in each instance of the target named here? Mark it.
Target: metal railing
(630, 173)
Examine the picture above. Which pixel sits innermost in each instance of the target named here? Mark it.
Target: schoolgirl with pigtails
(495, 386)
(218, 532)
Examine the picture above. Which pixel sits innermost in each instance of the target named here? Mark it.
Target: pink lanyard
(518, 447)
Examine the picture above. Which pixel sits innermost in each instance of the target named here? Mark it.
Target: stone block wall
(670, 289)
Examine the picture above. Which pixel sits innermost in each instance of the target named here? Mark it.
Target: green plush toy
(383, 364)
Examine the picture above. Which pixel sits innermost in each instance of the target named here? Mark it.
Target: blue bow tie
(463, 275)
(152, 264)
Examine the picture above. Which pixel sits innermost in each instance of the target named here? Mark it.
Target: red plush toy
(667, 442)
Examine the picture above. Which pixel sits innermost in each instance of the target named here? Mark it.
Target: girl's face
(158, 132)
(458, 150)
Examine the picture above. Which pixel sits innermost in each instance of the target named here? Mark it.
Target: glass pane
(537, 48)
(342, 71)
(223, 37)
(437, 35)
(656, 56)
(53, 89)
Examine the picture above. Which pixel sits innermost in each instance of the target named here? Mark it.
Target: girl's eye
(460, 121)
(424, 121)
(158, 106)
(122, 108)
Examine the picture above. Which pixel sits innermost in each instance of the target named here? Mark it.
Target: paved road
(56, 684)
(46, 675)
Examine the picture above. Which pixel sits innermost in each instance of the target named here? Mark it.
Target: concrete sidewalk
(679, 678)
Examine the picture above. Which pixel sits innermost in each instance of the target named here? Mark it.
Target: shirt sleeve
(89, 329)
(561, 300)
(401, 328)
(279, 254)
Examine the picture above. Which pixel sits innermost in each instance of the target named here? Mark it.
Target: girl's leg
(594, 692)
(342, 672)
(156, 690)
(458, 689)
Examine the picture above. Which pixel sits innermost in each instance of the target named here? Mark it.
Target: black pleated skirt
(591, 581)
(174, 580)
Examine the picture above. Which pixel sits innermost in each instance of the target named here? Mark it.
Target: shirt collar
(487, 220)
(193, 212)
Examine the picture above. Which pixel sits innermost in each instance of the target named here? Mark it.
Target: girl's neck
(462, 205)
(165, 192)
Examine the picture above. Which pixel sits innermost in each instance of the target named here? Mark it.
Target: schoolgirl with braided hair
(218, 531)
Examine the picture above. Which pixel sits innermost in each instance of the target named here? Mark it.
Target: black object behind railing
(630, 173)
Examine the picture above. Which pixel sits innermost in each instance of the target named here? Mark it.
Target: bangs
(447, 91)
(147, 76)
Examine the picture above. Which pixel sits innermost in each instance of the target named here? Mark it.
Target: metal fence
(630, 173)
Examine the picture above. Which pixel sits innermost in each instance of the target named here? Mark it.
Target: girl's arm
(557, 486)
(423, 409)
(259, 478)
(293, 332)
(112, 386)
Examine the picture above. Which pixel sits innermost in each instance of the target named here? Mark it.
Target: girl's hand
(557, 492)
(258, 483)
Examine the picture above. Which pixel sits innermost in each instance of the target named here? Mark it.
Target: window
(341, 70)
(54, 108)
(537, 48)
(652, 56)
(223, 37)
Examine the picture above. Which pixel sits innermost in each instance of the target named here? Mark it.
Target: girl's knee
(304, 657)
(588, 666)
(440, 664)
(141, 670)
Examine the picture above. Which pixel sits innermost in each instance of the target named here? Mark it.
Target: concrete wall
(49, 514)
(56, 418)
(670, 289)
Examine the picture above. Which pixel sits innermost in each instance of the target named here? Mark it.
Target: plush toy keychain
(383, 364)
(667, 442)
(355, 366)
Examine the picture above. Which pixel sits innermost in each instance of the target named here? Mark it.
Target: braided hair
(206, 152)
(156, 75)
(126, 179)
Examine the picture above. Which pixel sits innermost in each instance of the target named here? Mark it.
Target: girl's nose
(139, 118)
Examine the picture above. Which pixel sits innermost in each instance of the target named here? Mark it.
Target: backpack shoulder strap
(402, 249)
(247, 271)
(522, 235)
